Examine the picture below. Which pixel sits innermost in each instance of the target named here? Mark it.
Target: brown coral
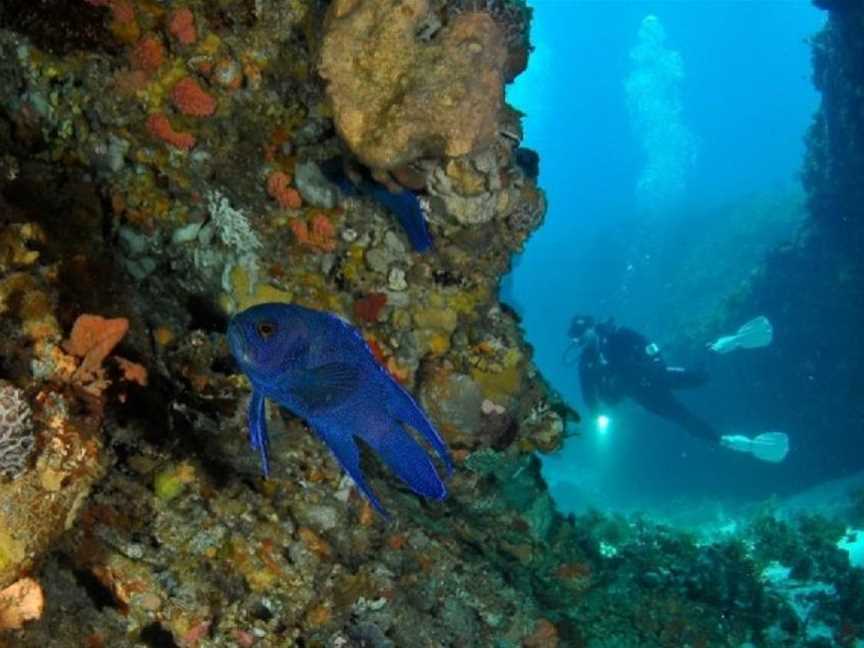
(397, 98)
(545, 635)
(22, 601)
(93, 338)
(318, 235)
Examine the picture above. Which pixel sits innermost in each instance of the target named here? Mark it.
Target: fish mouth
(238, 344)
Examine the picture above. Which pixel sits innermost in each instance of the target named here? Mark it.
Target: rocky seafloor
(164, 165)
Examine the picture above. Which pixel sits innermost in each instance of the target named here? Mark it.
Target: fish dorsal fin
(323, 387)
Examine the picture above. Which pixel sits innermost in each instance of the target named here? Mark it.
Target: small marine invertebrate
(181, 25)
(17, 437)
(191, 99)
(161, 128)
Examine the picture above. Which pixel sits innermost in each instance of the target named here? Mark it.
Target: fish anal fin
(344, 448)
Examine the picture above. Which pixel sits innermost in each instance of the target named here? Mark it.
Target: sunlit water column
(653, 90)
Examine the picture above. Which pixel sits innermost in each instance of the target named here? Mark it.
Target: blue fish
(319, 367)
(404, 205)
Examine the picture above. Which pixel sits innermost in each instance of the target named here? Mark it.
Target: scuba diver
(618, 363)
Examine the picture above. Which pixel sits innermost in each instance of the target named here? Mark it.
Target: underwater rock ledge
(161, 168)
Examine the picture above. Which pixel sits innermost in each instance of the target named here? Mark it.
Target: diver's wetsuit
(617, 363)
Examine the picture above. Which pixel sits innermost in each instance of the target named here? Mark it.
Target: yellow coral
(244, 294)
(439, 344)
(13, 245)
(512, 357)
(439, 319)
(210, 45)
(353, 266)
(171, 482)
(11, 551)
(466, 179)
(20, 295)
(498, 385)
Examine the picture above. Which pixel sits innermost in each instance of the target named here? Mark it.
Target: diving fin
(755, 334)
(768, 446)
(771, 446)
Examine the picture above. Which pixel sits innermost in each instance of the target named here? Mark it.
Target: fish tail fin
(345, 450)
(410, 462)
(408, 411)
(414, 223)
(405, 205)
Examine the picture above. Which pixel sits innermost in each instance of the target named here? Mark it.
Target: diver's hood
(578, 326)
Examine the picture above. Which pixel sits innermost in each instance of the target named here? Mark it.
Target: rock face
(834, 163)
(812, 388)
(398, 97)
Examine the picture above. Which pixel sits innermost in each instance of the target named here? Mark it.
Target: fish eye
(266, 328)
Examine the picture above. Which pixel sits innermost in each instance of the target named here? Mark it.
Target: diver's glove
(769, 446)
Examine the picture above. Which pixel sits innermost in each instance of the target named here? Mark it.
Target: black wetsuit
(618, 363)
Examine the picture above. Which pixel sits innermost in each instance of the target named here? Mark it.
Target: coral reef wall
(811, 379)
(835, 161)
(163, 167)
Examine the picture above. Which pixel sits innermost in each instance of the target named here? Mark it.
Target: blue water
(745, 100)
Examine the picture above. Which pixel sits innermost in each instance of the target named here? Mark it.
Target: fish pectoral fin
(258, 437)
(344, 448)
(324, 387)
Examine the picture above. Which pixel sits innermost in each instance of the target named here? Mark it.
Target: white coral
(231, 226)
(17, 438)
